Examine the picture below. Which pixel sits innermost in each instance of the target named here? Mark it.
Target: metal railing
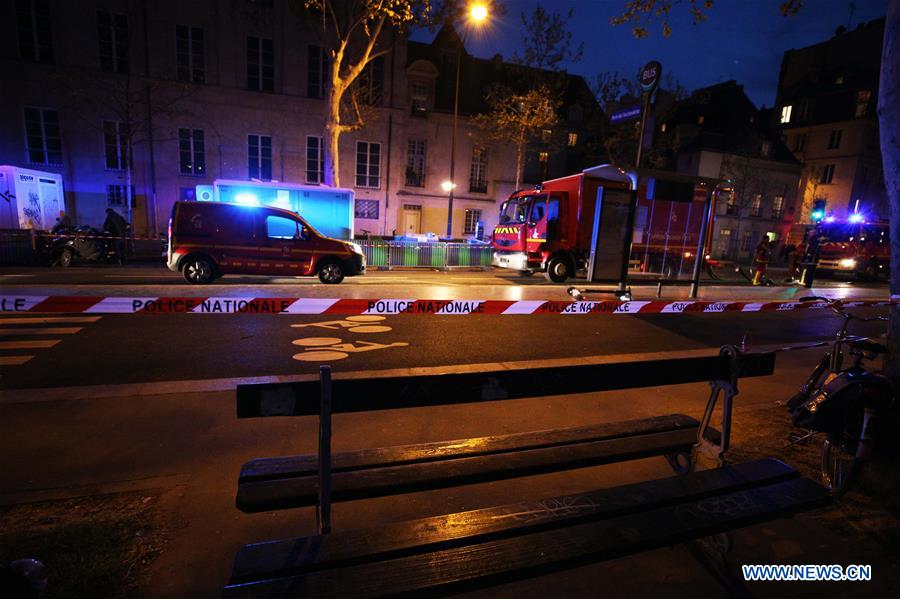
(435, 254)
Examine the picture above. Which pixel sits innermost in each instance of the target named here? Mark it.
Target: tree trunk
(332, 137)
(520, 159)
(889, 123)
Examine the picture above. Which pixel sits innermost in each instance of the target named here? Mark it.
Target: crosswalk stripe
(14, 360)
(44, 331)
(47, 319)
(38, 344)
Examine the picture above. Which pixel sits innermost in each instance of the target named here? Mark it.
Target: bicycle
(846, 404)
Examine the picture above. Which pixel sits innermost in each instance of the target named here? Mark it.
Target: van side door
(235, 238)
(286, 247)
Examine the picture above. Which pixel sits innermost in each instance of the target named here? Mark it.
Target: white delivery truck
(29, 199)
(328, 209)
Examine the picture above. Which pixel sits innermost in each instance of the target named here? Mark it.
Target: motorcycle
(83, 244)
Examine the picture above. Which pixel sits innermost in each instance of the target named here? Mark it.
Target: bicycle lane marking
(322, 349)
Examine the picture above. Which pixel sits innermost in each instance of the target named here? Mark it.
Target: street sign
(650, 76)
(625, 114)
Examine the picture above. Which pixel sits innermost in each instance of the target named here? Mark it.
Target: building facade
(825, 109)
(718, 132)
(190, 92)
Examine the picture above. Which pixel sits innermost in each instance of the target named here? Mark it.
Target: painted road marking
(325, 349)
(44, 331)
(38, 344)
(14, 360)
(48, 319)
(356, 324)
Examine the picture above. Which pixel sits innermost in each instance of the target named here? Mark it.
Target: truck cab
(858, 249)
(528, 231)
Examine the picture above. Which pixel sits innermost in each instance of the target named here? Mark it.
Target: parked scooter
(83, 244)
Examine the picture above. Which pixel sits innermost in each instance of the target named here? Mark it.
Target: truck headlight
(848, 263)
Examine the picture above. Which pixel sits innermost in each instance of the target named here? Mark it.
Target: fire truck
(550, 228)
(855, 248)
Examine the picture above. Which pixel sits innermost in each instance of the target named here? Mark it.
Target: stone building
(207, 90)
(825, 109)
(718, 132)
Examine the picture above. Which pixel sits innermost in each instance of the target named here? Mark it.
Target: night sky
(742, 39)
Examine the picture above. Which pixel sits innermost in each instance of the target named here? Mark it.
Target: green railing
(437, 254)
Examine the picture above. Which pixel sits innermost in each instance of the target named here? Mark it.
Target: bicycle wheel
(840, 465)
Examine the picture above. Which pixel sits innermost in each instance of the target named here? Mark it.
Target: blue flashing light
(856, 217)
(818, 215)
(247, 199)
(830, 219)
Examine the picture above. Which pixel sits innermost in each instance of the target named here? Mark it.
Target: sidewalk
(185, 448)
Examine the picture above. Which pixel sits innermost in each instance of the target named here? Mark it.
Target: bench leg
(706, 453)
(323, 505)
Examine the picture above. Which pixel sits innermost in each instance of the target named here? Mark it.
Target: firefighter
(761, 260)
(792, 254)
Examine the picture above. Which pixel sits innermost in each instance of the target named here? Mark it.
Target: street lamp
(477, 14)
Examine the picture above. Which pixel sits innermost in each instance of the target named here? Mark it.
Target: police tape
(311, 305)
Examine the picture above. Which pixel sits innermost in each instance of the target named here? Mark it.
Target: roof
(478, 75)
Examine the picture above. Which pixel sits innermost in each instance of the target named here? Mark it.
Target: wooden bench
(472, 549)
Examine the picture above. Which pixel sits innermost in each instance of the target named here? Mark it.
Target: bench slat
(495, 561)
(301, 491)
(362, 395)
(293, 556)
(306, 465)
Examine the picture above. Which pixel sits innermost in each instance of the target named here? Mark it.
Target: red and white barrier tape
(311, 305)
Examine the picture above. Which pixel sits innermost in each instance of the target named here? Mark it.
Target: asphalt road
(138, 348)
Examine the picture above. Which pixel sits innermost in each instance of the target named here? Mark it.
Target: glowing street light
(478, 13)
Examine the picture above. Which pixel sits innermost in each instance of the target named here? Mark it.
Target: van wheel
(558, 269)
(198, 270)
(331, 272)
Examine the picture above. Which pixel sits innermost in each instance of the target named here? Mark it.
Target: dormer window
(786, 114)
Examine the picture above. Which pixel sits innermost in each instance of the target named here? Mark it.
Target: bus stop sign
(650, 76)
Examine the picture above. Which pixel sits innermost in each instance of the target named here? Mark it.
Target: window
(478, 171)
(471, 222)
(112, 36)
(33, 21)
(115, 145)
(756, 205)
(191, 152)
(747, 241)
(42, 137)
(415, 163)
(546, 134)
(778, 207)
(573, 139)
(662, 128)
(553, 219)
(368, 164)
(315, 159)
(786, 114)
(371, 82)
(723, 243)
(827, 174)
(419, 93)
(189, 54)
(538, 209)
(764, 149)
(279, 227)
(800, 142)
(543, 156)
(366, 209)
(729, 203)
(116, 196)
(316, 67)
(260, 64)
(700, 119)
(862, 102)
(259, 157)
(834, 140)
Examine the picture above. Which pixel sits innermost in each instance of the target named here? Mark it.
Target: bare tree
(355, 34)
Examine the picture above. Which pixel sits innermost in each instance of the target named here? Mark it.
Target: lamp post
(477, 14)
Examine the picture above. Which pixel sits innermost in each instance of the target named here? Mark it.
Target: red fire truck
(859, 249)
(549, 228)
